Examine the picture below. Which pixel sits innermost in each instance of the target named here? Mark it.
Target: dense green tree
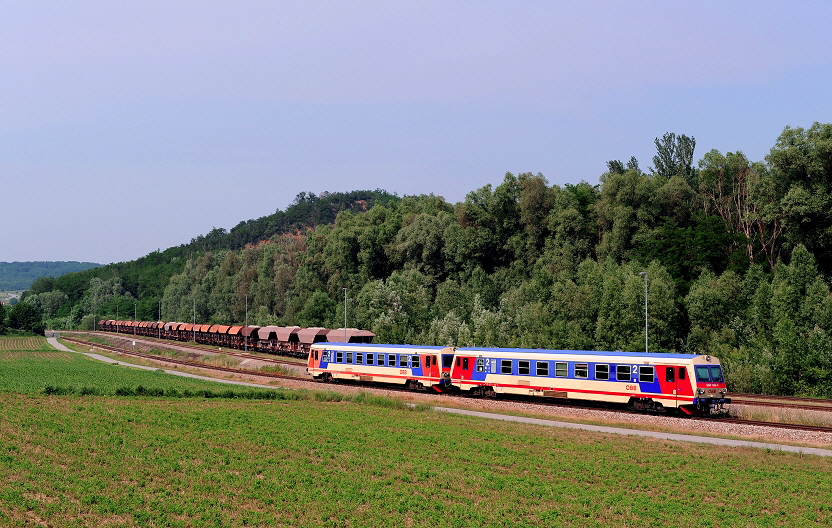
(801, 173)
(319, 310)
(26, 317)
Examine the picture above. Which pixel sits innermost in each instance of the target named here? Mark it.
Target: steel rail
(167, 359)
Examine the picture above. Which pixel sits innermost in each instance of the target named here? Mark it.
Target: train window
(646, 374)
(402, 360)
(505, 366)
(316, 355)
(622, 372)
(359, 358)
(339, 357)
(464, 363)
(702, 373)
(458, 361)
(602, 372)
(480, 365)
(716, 375)
(581, 370)
(682, 373)
(414, 362)
(523, 368)
(670, 375)
(561, 370)
(427, 361)
(349, 357)
(370, 359)
(447, 361)
(391, 360)
(542, 368)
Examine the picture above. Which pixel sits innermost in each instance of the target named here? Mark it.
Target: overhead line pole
(646, 349)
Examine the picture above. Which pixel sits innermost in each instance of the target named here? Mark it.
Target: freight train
(648, 382)
(292, 341)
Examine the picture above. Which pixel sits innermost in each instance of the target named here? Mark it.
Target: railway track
(797, 427)
(784, 402)
(826, 401)
(156, 357)
(214, 350)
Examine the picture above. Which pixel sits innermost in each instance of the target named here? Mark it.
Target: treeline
(735, 254)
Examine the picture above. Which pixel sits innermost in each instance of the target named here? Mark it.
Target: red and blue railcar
(655, 381)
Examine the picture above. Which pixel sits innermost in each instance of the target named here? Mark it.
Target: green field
(73, 460)
(37, 366)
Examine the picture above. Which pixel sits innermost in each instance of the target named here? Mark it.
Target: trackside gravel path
(521, 419)
(54, 342)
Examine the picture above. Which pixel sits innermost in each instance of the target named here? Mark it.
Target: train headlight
(701, 391)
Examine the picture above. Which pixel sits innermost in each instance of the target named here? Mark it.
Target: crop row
(23, 343)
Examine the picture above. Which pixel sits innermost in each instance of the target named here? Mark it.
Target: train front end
(709, 387)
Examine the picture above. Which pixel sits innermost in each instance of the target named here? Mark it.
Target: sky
(127, 127)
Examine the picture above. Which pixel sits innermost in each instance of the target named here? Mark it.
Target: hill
(20, 275)
(732, 258)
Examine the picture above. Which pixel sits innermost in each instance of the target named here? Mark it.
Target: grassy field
(32, 369)
(73, 460)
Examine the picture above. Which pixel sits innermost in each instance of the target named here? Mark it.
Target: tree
(674, 157)
(319, 310)
(741, 194)
(23, 316)
(801, 174)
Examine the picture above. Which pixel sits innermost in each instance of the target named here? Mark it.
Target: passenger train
(649, 382)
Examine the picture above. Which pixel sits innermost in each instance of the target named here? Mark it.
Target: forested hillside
(737, 255)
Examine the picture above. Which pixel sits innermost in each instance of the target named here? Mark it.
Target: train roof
(486, 350)
(617, 353)
(376, 345)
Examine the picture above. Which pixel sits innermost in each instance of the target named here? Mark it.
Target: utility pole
(645, 310)
(246, 328)
(135, 318)
(345, 315)
(194, 326)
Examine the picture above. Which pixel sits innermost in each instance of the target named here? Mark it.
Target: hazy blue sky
(131, 126)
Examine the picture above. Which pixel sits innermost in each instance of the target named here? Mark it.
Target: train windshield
(447, 361)
(706, 374)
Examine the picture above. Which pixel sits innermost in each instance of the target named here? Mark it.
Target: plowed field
(24, 343)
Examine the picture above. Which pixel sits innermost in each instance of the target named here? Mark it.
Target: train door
(463, 367)
(447, 364)
(432, 368)
(671, 384)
